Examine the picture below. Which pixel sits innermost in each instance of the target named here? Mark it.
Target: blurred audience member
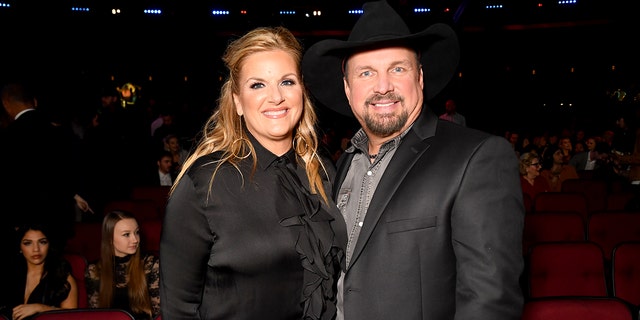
(566, 147)
(451, 113)
(161, 173)
(556, 170)
(623, 134)
(588, 159)
(530, 179)
(178, 154)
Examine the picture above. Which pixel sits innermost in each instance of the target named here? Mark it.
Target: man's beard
(384, 125)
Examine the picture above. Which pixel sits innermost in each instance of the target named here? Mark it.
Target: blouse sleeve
(92, 283)
(185, 248)
(152, 271)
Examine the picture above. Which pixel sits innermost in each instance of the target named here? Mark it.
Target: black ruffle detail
(315, 244)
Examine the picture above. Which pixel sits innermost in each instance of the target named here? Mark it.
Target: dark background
(177, 55)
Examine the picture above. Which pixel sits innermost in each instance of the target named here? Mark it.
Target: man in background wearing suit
(37, 165)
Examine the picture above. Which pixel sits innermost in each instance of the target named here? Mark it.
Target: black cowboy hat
(379, 26)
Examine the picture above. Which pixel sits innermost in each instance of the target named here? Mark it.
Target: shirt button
(369, 173)
(360, 224)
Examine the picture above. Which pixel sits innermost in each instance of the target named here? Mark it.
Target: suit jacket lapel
(413, 145)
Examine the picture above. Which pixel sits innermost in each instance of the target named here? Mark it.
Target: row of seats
(582, 195)
(578, 269)
(605, 228)
(577, 308)
(577, 201)
(147, 202)
(84, 314)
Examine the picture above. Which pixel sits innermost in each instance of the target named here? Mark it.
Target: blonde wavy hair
(224, 131)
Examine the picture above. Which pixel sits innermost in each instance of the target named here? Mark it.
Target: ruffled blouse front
(315, 243)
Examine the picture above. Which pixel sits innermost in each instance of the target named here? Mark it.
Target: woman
(43, 278)
(250, 231)
(530, 179)
(557, 170)
(124, 278)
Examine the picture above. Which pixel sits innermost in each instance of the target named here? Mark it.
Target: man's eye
(398, 69)
(366, 74)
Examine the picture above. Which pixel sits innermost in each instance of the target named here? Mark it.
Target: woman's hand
(25, 310)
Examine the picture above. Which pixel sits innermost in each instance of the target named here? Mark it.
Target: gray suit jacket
(442, 238)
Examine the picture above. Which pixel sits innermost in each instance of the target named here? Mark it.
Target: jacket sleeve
(184, 247)
(487, 223)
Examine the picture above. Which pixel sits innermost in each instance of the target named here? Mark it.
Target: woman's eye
(288, 82)
(257, 85)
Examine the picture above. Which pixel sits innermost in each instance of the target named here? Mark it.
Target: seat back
(618, 201)
(84, 314)
(158, 194)
(608, 229)
(561, 201)
(86, 240)
(142, 209)
(78, 267)
(595, 191)
(552, 226)
(576, 308)
(150, 231)
(566, 269)
(626, 272)
(528, 202)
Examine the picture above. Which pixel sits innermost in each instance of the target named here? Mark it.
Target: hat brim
(322, 63)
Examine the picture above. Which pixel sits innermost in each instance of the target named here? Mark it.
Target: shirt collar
(360, 142)
(22, 112)
(265, 157)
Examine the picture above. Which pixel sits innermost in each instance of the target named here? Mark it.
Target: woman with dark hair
(124, 278)
(42, 281)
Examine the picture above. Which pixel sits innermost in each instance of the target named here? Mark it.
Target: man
(434, 210)
(37, 168)
(587, 160)
(163, 175)
(451, 113)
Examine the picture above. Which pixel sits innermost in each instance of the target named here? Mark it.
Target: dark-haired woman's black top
(52, 289)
